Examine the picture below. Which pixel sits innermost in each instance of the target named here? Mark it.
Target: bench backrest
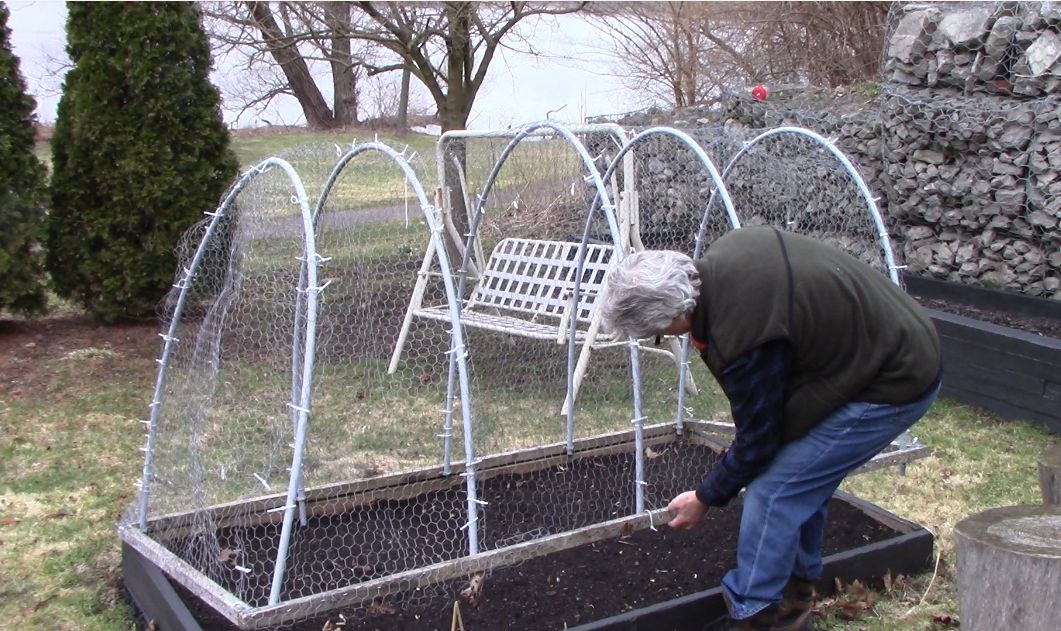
(538, 277)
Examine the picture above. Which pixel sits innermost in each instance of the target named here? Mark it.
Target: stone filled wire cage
(381, 374)
(971, 132)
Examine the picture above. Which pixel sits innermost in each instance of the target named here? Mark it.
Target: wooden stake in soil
(1009, 568)
(1050, 475)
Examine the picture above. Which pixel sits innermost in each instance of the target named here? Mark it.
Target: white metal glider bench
(527, 290)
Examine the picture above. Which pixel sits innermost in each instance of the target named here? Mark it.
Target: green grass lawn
(72, 394)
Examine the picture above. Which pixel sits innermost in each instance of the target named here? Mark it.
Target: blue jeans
(784, 508)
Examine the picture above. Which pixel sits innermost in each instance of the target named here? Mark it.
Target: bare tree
(446, 46)
(280, 41)
(685, 52)
(659, 46)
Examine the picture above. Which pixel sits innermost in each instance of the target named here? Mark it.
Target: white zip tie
(214, 213)
(297, 408)
(651, 525)
(318, 288)
(640, 419)
(481, 502)
(338, 151)
(898, 267)
(154, 403)
(321, 258)
(641, 482)
(262, 480)
(245, 570)
(467, 525)
(412, 157)
(169, 338)
(142, 422)
(280, 508)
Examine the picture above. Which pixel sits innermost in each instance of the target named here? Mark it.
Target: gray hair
(647, 291)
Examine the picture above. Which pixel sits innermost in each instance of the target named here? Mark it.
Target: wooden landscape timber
(1013, 373)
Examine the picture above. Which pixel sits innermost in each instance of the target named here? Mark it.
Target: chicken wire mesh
(309, 446)
(971, 116)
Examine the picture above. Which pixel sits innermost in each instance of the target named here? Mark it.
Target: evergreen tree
(22, 275)
(139, 152)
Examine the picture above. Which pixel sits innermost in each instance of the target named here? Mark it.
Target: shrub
(22, 274)
(139, 152)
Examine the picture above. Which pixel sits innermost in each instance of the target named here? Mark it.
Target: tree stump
(1009, 568)
(1050, 475)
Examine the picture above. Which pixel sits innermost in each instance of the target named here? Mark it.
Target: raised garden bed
(1001, 351)
(629, 572)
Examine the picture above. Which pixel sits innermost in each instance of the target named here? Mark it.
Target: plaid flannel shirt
(755, 384)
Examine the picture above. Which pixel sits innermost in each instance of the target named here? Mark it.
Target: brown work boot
(796, 604)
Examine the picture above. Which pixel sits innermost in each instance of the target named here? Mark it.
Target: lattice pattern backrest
(538, 277)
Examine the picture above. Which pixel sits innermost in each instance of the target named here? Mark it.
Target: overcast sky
(520, 88)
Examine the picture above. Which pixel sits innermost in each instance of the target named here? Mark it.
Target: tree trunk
(285, 52)
(403, 102)
(1050, 475)
(344, 71)
(453, 115)
(1009, 568)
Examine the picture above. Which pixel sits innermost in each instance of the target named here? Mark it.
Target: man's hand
(686, 511)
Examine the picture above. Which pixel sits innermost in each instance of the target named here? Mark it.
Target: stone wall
(962, 141)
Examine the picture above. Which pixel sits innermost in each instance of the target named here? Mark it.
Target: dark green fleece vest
(856, 336)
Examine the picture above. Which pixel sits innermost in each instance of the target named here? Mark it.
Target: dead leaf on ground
(381, 608)
(946, 620)
(228, 556)
(652, 454)
(474, 591)
(9, 521)
(334, 626)
(626, 529)
(852, 603)
(37, 606)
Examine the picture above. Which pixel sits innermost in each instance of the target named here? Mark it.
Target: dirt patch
(30, 350)
(1047, 327)
(559, 590)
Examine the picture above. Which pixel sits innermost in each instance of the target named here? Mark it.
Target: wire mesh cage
(371, 391)
(971, 115)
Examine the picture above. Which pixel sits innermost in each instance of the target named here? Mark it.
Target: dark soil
(1044, 326)
(563, 589)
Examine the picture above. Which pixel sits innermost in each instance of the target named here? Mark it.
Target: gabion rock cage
(355, 372)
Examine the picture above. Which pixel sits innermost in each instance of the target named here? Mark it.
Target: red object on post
(759, 93)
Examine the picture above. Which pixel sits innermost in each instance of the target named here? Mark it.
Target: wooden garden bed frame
(1012, 373)
(155, 596)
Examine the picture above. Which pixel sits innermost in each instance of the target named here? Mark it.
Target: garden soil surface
(563, 589)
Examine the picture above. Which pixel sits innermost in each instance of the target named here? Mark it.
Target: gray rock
(1044, 53)
(998, 40)
(913, 34)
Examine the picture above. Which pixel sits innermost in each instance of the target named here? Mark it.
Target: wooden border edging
(1012, 373)
(153, 594)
